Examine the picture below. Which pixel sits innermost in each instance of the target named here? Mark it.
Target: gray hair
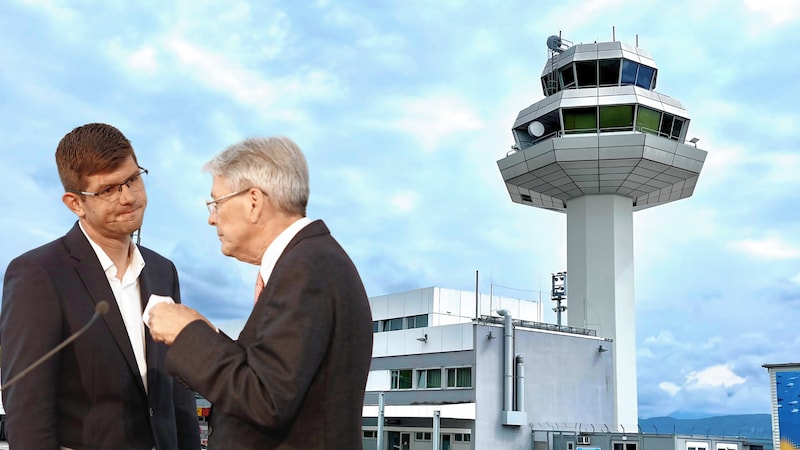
(275, 165)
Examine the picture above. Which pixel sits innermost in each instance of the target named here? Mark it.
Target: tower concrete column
(600, 285)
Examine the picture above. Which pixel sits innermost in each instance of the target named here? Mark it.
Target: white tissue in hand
(153, 301)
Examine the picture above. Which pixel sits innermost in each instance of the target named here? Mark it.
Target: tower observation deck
(600, 145)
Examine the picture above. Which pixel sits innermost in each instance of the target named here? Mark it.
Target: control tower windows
(671, 126)
(603, 73)
(663, 124)
(567, 77)
(647, 120)
(616, 118)
(609, 72)
(587, 73)
(644, 79)
(634, 73)
(580, 120)
(621, 118)
(629, 69)
(549, 85)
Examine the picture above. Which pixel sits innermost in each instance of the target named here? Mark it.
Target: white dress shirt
(128, 297)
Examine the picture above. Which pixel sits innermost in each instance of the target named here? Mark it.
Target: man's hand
(168, 320)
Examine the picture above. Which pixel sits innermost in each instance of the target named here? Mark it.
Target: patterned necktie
(259, 287)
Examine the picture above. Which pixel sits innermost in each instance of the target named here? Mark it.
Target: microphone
(100, 309)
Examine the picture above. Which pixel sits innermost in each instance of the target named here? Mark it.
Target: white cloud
(777, 12)
(773, 248)
(720, 375)
(669, 387)
(713, 377)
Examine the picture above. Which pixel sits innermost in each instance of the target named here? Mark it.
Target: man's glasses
(113, 192)
(212, 204)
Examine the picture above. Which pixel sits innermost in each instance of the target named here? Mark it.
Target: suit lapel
(151, 348)
(94, 279)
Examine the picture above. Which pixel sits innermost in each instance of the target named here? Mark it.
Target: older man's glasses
(113, 192)
(212, 204)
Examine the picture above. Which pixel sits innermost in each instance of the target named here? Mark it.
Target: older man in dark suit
(108, 389)
(296, 376)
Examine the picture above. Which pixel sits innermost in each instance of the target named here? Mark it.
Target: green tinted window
(647, 120)
(580, 120)
(616, 118)
(401, 379)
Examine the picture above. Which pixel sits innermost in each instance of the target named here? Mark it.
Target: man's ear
(74, 203)
(257, 201)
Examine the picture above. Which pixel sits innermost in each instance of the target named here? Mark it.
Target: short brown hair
(90, 149)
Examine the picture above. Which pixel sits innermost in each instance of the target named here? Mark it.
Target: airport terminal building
(483, 371)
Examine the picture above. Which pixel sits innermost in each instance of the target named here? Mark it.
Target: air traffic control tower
(601, 145)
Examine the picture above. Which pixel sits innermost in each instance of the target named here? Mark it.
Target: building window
(671, 126)
(624, 445)
(459, 377)
(393, 324)
(609, 72)
(549, 84)
(567, 77)
(587, 73)
(580, 120)
(629, 69)
(616, 118)
(370, 434)
(677, 127)
(727, 446)
(690, 445)
(422, 436)
(401, 379)
(644, 79)
(400, 323)
(419, 321)
(429, 379)
(647, 120)
(462, 437)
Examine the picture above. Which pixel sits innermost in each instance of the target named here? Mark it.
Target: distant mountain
(753, 426)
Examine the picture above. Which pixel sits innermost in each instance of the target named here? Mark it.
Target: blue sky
(403, 109)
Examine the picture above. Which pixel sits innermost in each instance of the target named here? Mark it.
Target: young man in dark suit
(295, 377)
(109, 389)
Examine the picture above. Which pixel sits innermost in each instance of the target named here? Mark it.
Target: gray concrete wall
(567, 380)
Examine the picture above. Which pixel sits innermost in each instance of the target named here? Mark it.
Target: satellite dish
(536, 129)
(554, 43)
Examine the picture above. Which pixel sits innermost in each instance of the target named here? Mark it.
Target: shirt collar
(137, 261)
(278, 245)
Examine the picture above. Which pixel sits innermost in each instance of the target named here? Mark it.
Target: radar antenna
(556, 44)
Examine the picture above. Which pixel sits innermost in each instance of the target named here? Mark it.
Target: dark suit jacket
(296, 376)
(90, 395)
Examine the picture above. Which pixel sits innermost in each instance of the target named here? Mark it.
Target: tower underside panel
(600, 290)
(649, 169)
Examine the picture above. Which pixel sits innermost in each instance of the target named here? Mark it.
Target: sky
(403, 109)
